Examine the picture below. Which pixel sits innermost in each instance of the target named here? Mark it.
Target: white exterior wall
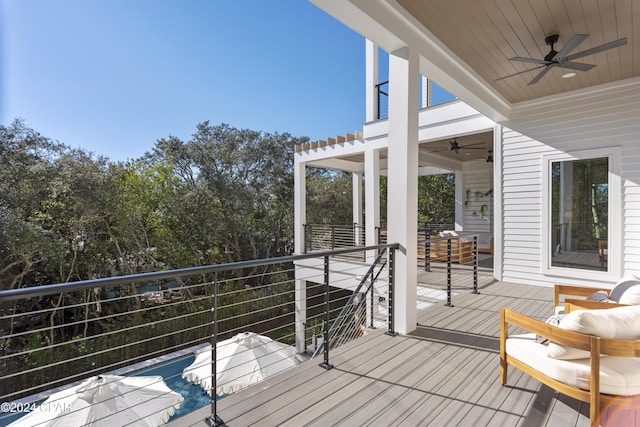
(568, 124)
(477, 197)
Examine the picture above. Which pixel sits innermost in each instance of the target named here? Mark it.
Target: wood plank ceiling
(486, 33)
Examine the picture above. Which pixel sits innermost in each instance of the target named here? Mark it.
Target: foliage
(436, 199)
(329, 197)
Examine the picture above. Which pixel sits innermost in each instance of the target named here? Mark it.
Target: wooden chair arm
(580, 291)
(571, 304)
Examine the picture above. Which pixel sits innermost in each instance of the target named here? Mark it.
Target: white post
(300, 213)
(372, 195)
(402, 215)
(371, 80)
(357, 205)
(425, 93)
(459, 194)
(372, 217)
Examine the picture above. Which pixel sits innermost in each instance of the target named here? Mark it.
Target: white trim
(614, 226)
(498, 202)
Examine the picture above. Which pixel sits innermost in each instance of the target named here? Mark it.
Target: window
(582, 236)
(580, 213)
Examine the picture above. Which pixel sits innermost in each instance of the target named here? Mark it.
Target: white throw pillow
(631, 296)
(619, 323)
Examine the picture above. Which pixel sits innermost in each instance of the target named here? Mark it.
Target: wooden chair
(560, 290)
(529, 356)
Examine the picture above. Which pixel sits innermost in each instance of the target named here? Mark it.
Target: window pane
(580, 214)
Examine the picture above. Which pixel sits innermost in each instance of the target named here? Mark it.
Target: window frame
(614, 226)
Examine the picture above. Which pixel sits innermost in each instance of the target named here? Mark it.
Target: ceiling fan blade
(576, 66)
(540, 75)
(572, 44)
(473, 146)
(530, 60)
(519, 72)
(602, 47)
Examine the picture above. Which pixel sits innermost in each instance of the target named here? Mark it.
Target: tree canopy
(224, 195)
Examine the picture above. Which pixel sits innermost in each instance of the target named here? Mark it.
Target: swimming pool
(170, 369)
(195, 397)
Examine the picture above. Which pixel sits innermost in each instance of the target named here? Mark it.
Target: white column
(371, 80)
(460, 207)
(372, 213)
(425, 92)
(498, 201)
(300, 213)
(300, 203)
(357, 205)
(372, 195)
(402, 215)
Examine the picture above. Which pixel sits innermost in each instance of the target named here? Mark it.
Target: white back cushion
(631, 296)
(619, 323)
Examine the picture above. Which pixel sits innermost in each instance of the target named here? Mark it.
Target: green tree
(436, 199)
(242, 181)
(329, 197)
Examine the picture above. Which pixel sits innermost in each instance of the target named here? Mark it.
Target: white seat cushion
(618, 375)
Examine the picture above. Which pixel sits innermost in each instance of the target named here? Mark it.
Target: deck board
(445, 373)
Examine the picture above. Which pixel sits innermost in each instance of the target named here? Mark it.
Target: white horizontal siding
(607, 118)
(477, 183)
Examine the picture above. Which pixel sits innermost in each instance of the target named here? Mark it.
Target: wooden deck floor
(443, 374)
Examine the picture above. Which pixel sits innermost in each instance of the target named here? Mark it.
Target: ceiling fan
(490, 156)
(455, 147)
(562, 58)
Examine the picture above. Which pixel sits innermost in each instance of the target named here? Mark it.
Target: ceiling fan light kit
(561, 58)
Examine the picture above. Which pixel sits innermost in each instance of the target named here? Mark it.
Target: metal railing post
(391, 302)
(325, 343)
(371, 325)
(215, 419)
(448, 304)
(306, 234)
(333, 237)
(378, 103)
(475, 265)
(427, 252)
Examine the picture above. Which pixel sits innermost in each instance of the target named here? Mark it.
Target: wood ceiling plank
(486, 33)
(610, 59)
(624, 23)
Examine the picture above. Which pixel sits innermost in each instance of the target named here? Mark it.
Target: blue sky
(113, 76)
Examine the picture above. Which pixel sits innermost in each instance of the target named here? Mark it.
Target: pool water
(195, 397)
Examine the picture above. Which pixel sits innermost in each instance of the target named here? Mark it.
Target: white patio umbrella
(107, 400)
(241, 360)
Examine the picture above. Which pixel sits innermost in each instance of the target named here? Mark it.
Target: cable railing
(383, 100)
(173, 328)
(328, 237)
(359, 313)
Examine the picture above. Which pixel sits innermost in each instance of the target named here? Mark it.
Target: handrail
(87, 333)
(349, 303)
(42, 290)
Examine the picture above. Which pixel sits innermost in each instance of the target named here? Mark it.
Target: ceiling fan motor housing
(551, 40)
